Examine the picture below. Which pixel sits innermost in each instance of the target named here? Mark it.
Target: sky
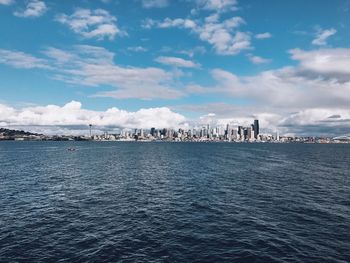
(175, 63)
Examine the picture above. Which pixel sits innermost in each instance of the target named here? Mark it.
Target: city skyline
(175, 64)
(207, 133)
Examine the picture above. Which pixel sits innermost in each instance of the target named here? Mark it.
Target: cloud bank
(72, 118)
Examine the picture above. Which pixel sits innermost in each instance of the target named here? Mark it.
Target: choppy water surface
(174, 202)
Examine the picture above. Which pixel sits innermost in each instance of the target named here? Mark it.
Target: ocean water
(174, 202)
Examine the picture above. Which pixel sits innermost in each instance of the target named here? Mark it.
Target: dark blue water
(174, 202)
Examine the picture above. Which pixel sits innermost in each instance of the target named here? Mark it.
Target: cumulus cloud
(324, 63)
(72, 116)
(155, 3)
(318, 122)
(34, 8)
(320, 79)
(168, 23)
(6, 2)
(263, 35)
(217, 5)
(322, 36)
(177, 62)
(282, 89)
(88, 23)
(221, 34)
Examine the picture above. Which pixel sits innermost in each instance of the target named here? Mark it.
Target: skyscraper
(244, 133)
(240, 132)
(153, 132)
(256, 129)
(90, 126)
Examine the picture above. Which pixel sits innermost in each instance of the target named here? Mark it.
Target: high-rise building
(240, 132)
(227, 132)
(249, 133)
(234, 134)
(256, 129)
(90, 126)
(252, 133)
(153, 132)
(245, 133)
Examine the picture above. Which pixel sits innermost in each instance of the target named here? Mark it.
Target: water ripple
(166, 202)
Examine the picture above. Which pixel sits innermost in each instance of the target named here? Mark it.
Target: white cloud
(73, 116)
(222, 35)
(95, 66)
(6, 2)
(263, 35)
(148, 23)
(137, 49)
(283, 89)
(88, 23)
(257, 59)
(19, 59)
(320, 80)
(178, 22)
(324, 63)
(168, 23)
(34, 8)
(217, 5)
(155, 3)
(322, 36)
(315, 116)
(177, 62)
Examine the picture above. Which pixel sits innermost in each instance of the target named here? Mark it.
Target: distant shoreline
(181, 136)
(169, 141)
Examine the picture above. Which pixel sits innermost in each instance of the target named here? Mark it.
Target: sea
(174, 202)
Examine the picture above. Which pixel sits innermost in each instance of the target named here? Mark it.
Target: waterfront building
(240, 132)
(141, 133)
(153, 132)
(256, 129)
(252, 133)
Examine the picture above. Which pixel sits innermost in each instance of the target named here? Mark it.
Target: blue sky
(196, 61)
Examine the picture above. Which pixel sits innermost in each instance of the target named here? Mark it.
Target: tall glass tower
(256, 129)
